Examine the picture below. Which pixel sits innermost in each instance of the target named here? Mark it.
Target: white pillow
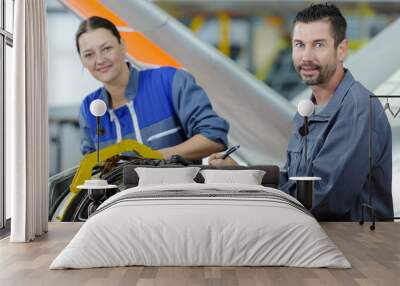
(248, 177)
(166, 176)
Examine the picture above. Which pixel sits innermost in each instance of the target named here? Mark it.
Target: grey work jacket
(337, 150)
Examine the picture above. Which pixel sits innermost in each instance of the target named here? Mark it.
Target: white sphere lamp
(305, 107)
(98, 107)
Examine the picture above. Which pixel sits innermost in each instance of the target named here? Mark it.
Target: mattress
(201, 225)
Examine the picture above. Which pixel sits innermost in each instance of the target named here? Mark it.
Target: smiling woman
(163, 107)
(103, 55)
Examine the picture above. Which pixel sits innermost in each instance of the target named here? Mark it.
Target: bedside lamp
(98, 189)
(305, 185)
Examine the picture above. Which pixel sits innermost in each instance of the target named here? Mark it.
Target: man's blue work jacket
(165, 108)
(337, 149)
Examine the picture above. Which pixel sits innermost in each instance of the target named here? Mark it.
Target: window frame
(6, 39)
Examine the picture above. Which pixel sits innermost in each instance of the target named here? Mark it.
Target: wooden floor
(374, 255)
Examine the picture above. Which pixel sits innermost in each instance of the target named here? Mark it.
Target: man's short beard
(325, 74)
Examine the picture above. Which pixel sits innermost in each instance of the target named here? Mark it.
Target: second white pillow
(248, 177)
(166, 176)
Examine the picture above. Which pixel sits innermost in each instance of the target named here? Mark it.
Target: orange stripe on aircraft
(138, 46)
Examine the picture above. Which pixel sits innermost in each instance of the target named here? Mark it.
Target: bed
(201, 224)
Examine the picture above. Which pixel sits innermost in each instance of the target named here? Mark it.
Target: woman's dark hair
(327, 12)
(92, 23)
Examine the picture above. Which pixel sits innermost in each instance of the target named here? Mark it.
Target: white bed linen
(200, 231)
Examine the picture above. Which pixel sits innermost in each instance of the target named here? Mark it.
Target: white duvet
(207, 230)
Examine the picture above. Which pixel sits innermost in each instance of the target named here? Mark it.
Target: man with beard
(337, 139)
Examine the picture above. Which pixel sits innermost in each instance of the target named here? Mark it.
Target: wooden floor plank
(374, 255)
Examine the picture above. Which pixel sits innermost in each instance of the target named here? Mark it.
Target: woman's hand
(195, 148)
(214, 160)
(167, 152)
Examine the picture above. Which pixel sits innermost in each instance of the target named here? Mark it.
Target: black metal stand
(369, 205)
(98, 196)
(98, 135)
(305, 193)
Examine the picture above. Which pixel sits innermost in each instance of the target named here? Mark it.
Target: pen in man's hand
(228, 152)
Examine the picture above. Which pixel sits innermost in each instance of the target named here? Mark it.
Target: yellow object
(197, 23)
(365, 10)
(224, 33)
(262, 73)
(275, 21)
(84, 171)
(355, 45)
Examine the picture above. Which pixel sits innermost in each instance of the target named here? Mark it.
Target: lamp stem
(305, 138)
(98, 135)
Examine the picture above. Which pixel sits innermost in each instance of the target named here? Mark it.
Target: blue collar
(131, 88)
(337, 98)
(334, 103)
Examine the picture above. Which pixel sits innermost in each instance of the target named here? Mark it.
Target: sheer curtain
(26, 123)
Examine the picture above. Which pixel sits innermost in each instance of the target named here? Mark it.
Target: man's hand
(214, 160)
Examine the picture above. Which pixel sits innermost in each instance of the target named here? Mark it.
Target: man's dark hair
(92, 23)
(328, 12)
